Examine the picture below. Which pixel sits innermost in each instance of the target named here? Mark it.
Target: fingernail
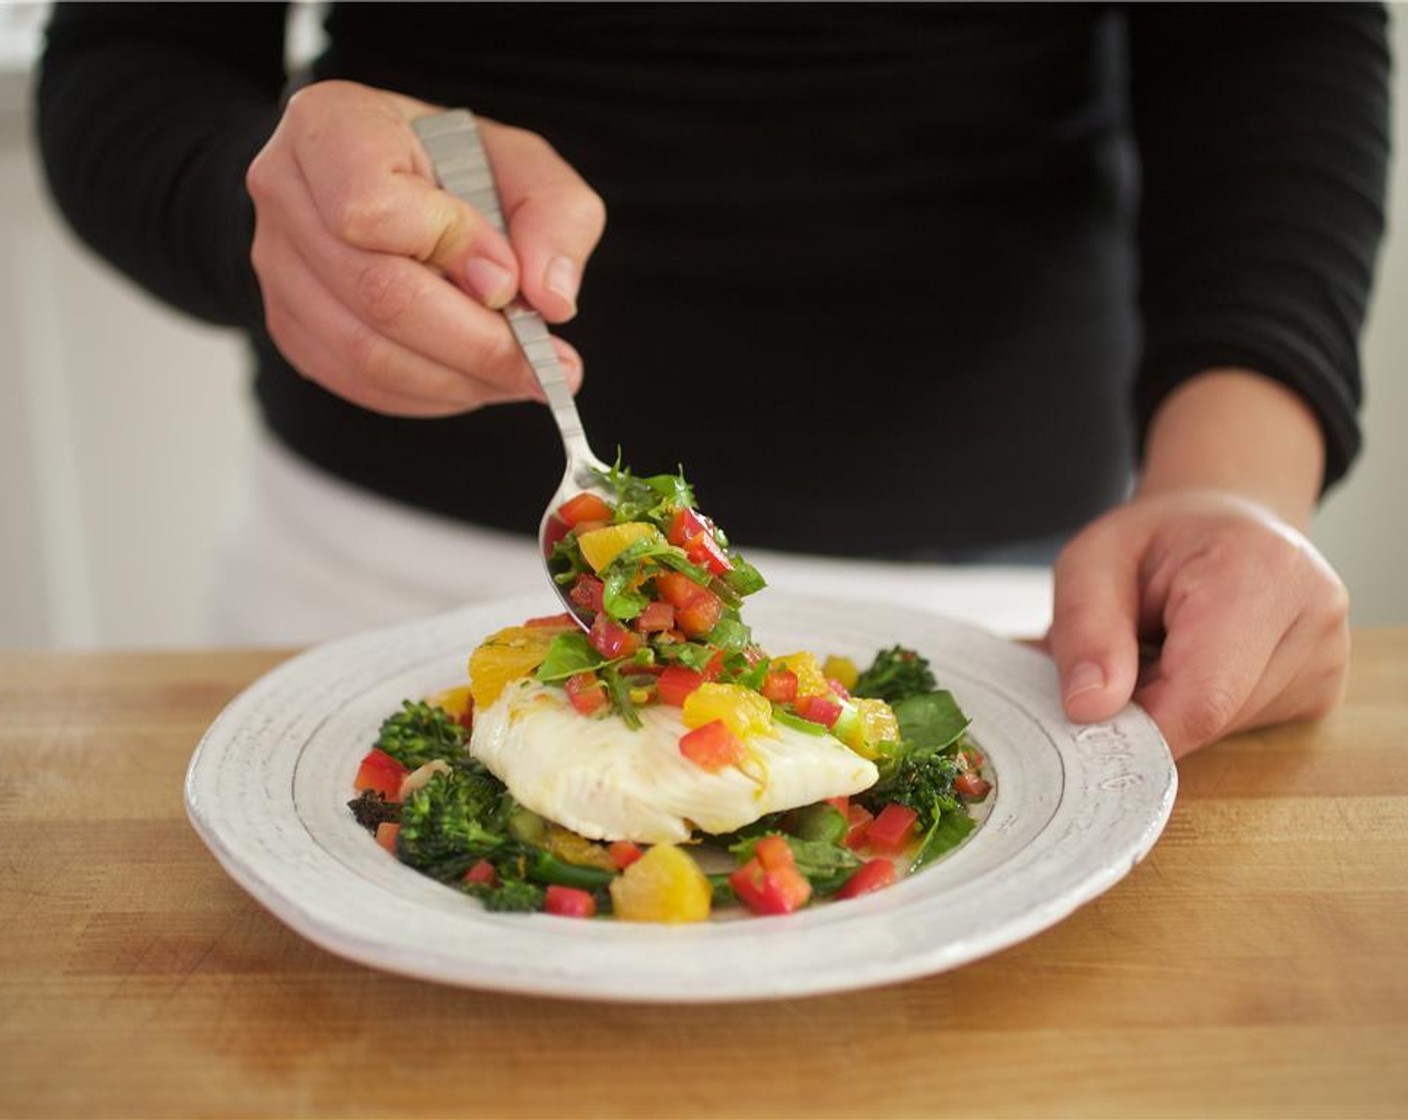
(561, 279)
(571, 362)
(490, 281)
(1085, 677)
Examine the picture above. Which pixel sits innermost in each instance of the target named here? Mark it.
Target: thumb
(1095, 620)
(555, 220)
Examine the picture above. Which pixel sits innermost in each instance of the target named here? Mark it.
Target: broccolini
(452, 822)
(895, 674)
(420, 733)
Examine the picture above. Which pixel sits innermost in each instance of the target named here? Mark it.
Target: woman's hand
(1207, 563)
(383, 288)
(1252, 620)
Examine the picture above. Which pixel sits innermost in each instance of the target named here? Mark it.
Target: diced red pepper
(685, 524)
(971, 787)
(713, 746)
(482, 872)
(587, 593)
(714, 667)
(893, 829)
(697, 609)
(656, 616)
(386, 834)
(610, 639)
(584, 507)
(703, 549)
(841, 804)
(676, 682)
(780, 686)
(676, 588)
(586, 693)
(770, 883)
(624, 853)
(774, 851)
(870, 876)
(569, 902)
(700, 615)
(825, 710)
(380, 772)
(694, 533)
(561, 621)
(858, 819)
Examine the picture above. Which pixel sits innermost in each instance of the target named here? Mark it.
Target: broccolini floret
(420, 733)
(452, 822)
(921, 779)
(517, 895)
(895, 674)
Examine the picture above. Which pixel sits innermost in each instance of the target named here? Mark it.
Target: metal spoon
(456, 152)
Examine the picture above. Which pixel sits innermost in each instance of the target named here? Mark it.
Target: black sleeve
(1263, 135)
(147, 117)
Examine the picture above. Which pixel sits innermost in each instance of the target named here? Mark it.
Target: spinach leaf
(951, 825)
(930, 721)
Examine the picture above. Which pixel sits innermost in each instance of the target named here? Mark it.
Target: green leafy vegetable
(930, 721)
(743, 579)
(566, 561)
(617, 597)
(420, 733)
(730, 632)
(946, 833)
(620, 694)
(646, 499)
(825, 865)
(569, 654)
(896, 673)
(788, 719)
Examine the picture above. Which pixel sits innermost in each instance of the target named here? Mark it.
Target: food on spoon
(581, 773)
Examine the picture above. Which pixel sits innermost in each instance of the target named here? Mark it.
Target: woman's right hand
(383, 288)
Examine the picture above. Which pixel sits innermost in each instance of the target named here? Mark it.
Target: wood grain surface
(1256, 964)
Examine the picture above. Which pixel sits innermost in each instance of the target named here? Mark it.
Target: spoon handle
(451, 140)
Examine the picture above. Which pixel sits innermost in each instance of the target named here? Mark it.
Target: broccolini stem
(545, 868)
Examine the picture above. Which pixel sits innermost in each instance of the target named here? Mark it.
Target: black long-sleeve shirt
(883, 278)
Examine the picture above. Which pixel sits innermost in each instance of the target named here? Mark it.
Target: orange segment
(877, 724)
(601, 546)
(810, 679)
(842, 670)
(505, 657)
(664, 885)
(743, 711)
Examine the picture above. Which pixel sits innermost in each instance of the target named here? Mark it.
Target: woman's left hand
(1250, 621)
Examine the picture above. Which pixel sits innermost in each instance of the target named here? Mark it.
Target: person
(911, 282)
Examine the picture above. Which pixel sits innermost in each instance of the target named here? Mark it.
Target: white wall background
(123, 426)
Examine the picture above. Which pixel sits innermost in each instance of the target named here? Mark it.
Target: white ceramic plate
(1073, 810)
